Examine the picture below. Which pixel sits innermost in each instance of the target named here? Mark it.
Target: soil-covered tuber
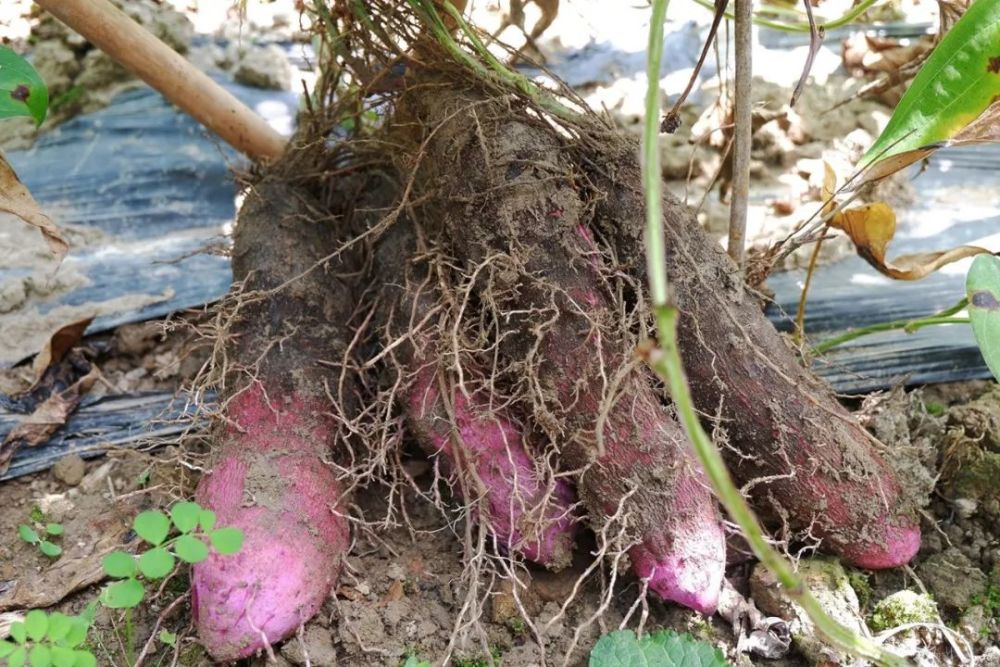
(481, 446)
(271, 475)
(806, 458)
(514, 210)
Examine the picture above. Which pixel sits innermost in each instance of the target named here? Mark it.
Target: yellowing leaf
(871, 228)
(984, 129)
(959, 80)
(15, 199)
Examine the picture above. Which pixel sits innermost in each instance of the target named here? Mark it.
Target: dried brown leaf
(17, 200)
(49, 417)
(59, 343)
(871, 228)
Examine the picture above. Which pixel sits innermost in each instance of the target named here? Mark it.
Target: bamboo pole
(139, 51)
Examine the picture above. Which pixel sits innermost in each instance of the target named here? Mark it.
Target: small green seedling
(414, 661)
(43, 537)
(194, 533)
(663, 648)
(44, 640)
(517, 625)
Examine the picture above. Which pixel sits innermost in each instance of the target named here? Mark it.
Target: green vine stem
(666, 361)
(796, 26)
(908, 326)
(505, 76)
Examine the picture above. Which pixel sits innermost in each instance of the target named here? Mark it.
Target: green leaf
(664, 648)
(59, 626)
(955, 85)
(206, 519)
(152, 526)
(22, 91)
(982, 286)
(119, 564)
(124, 594)
(40, 656)
(6, 648)
(50, 549)
(63, 657)
(77, 634)
(227, 540)
(414, 661)
(18, 658)
(85, 659)
(156, 563)
(168, 638)
(190, 549)
(54, 528)
(36, 623)
(28, 534)
(185, 516)
(19, 632)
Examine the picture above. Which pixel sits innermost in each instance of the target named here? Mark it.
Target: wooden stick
(139, 51)
(743, 131)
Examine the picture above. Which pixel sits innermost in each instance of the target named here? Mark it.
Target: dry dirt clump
(947, 437)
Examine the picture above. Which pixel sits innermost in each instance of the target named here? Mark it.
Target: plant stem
(909, 326)
(129, 637)
(742, 133)
(656, 257)
(507, 76)
(796, 26)
(666, 361)
(799, 334)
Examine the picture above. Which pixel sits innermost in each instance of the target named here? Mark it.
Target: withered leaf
(871, 228)
(17, 200)
(59, 343)
(49, 417)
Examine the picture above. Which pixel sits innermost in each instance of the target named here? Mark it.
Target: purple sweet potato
(814, 463)
(270, 476)
(524, 515)
(514, 203)
(482, 447)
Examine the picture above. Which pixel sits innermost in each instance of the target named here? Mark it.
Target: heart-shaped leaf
(982, 286)
(124, 594)
(190, 549)
(227, 540)
(152, 526)
(36, 623)
(119, 564)
(185, 516)
(156, 563)
(664, 648)
(22, 91)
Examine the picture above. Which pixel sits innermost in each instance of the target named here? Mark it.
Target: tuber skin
(270, 476)
(525, 514)
(814, 464)
(518, 202)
